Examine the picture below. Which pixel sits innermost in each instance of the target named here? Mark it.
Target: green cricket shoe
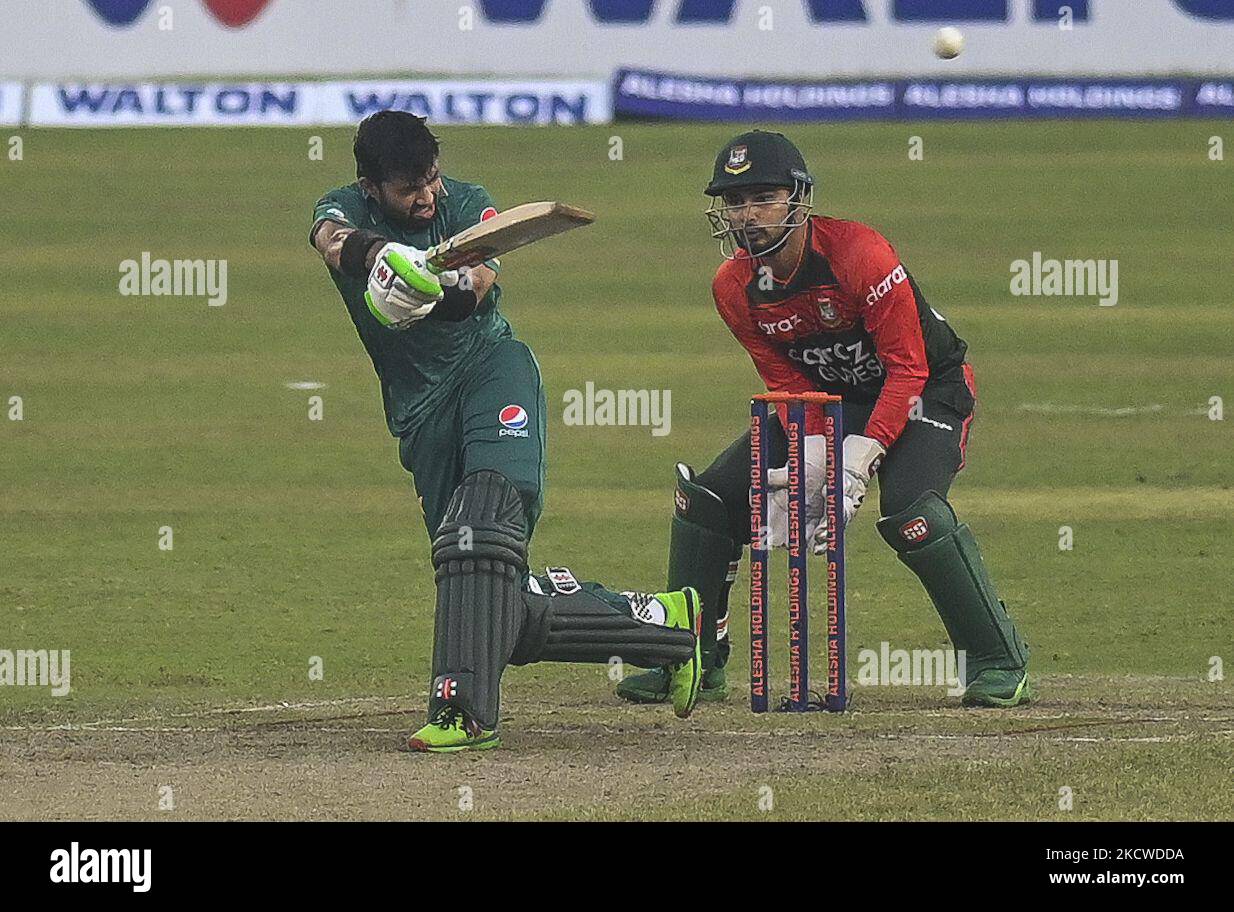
(684, 611)
(997, 688)
(652, 686)
(450, 731)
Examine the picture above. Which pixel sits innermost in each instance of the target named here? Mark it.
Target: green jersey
(418, 366)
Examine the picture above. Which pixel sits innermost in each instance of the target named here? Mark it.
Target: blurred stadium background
(571, 61)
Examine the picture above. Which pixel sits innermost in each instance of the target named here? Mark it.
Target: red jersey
(849, 321)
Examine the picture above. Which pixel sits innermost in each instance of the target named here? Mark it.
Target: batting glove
(402, 290)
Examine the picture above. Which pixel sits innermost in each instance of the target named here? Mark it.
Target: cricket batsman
(466, 402)
(826, 304)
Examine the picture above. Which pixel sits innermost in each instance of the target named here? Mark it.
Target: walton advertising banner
(297, 104)
(809, 39)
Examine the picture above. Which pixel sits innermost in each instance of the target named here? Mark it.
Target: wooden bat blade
(507, 231)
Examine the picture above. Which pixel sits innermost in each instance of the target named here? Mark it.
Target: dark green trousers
(492, 418)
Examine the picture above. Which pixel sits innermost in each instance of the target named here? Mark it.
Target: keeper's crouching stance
(491, 613)
(823, 304)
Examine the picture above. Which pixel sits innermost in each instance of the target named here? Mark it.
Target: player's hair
(393, 144)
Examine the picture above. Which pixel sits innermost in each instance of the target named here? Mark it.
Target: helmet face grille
(735, 242)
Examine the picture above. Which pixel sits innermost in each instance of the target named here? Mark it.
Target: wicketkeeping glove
(814, 458)
(862, 457)
(402, 290)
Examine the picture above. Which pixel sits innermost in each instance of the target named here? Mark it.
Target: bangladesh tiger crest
(738, 160)
(827, 311)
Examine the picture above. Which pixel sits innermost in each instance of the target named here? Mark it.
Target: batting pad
(580, 626)
(480, 558)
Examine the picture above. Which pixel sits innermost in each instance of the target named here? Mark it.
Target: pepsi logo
(487, 214)
(513, 417)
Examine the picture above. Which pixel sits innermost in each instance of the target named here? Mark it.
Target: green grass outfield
(296, 538)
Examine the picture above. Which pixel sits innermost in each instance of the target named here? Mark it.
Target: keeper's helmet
(752, 161)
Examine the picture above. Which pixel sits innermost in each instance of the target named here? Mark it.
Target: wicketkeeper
(825, 304)
(466, 402)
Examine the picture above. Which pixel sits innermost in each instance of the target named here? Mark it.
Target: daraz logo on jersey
(787, 325)
(879, 291)
(232, 13)
(513, 420)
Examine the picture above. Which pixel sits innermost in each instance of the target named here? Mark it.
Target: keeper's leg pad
(944, 555)
(480, 558)
(585, 626)
(701, 552)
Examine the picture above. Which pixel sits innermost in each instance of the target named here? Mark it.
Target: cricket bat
(504, 232)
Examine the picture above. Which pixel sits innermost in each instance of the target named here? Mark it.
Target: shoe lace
(447, 716)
